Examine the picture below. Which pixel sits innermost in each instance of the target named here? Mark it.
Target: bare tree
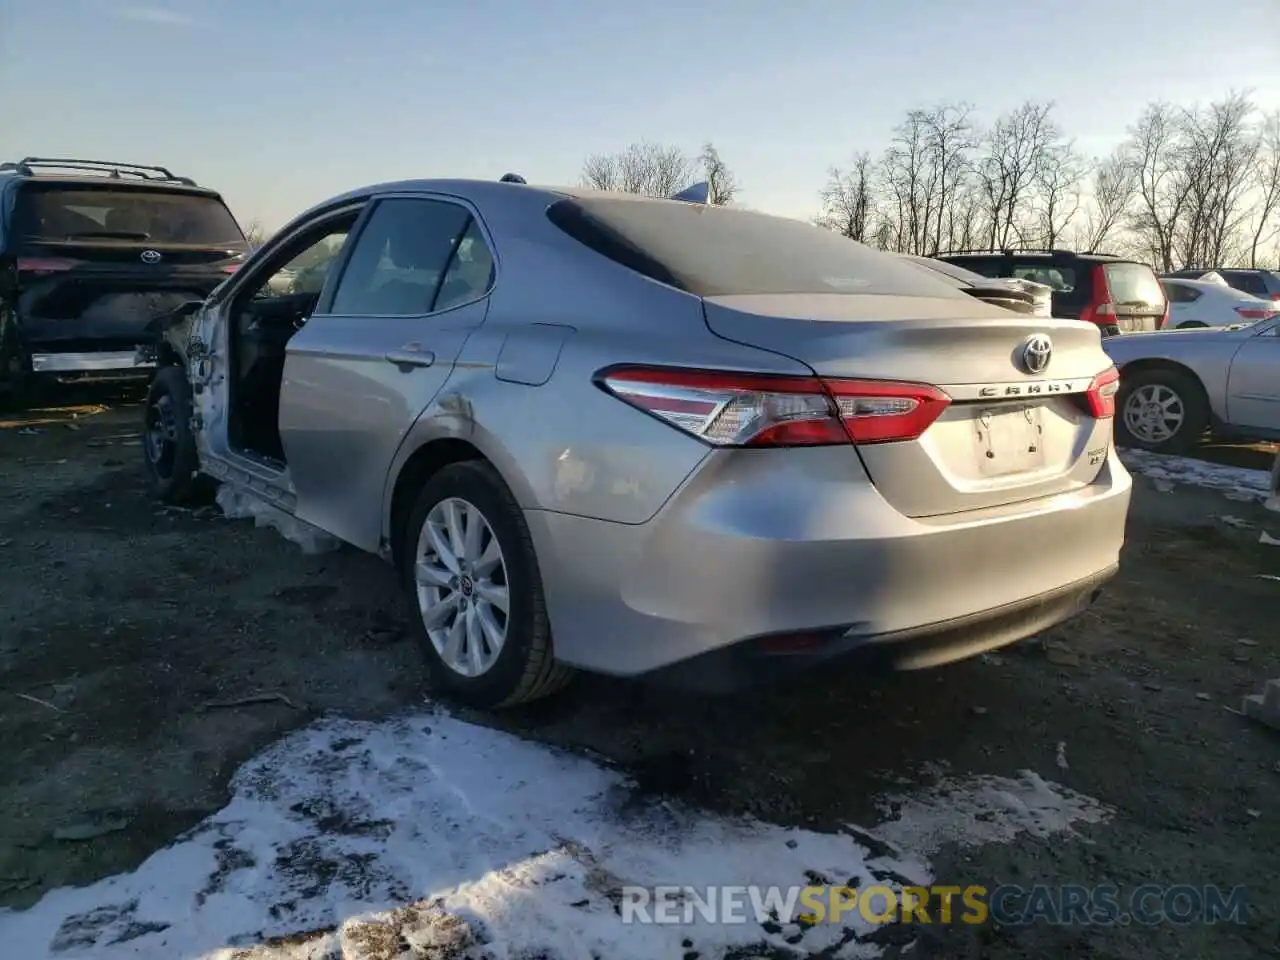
(721, 184)
(950, 139)
(1162, 187)
(1013, 155)
(848, 199)
(904, 171)
(1113, 187)
(1217, 151)
(1058, 194)
(646, 168)
(1267, 183)
(255, 233)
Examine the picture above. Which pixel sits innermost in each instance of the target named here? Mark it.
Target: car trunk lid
(1009, 434)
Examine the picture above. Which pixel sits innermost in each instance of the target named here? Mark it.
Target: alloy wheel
(161, 437)
(461, 579)
(1154, 413)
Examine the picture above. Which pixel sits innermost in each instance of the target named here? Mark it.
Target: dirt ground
(127, 631)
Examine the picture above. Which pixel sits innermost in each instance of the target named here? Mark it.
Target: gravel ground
(128, 631)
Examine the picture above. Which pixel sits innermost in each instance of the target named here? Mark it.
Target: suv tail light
(728, 409)
(43, 265)
(1256, 313)
(1164, 319)
(1100, 309)
(1100, 399)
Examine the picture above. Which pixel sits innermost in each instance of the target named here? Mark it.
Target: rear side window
(400, 258)
(1134, 284)
(712, 251)
(1181, 293)
(62, 212)
(1248, 282)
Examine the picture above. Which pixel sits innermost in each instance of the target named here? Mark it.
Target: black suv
(90, 253)
(1118, 295)
(1260, 283)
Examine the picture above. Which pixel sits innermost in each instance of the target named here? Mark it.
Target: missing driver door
(369, 361)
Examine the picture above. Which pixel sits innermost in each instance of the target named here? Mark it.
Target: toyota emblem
(1036, 353)
(151, 256)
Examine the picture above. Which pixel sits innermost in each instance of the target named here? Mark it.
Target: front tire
(169, 446)
(476, 603)
(1164, 411)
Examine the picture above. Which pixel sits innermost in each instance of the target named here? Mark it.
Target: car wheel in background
(1164, 411)
(1190, 325)
(475, 592)
(168, 445)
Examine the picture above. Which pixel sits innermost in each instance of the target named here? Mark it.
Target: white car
(1212, 303)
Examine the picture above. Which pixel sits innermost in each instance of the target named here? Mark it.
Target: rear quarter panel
(523, 390)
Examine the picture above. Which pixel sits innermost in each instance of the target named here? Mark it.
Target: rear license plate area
(1008, 440)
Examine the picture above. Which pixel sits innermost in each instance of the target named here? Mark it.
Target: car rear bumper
(108, 362)
(799, 558)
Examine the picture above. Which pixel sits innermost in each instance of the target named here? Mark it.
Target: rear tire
(169, 446)
(1190, 325)
(499, 565)
(1164, 411)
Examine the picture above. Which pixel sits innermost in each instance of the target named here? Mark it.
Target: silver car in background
(649, 437)
(1176, 385)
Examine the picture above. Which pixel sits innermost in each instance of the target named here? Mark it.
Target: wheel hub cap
(461, 579)
(1154, 413)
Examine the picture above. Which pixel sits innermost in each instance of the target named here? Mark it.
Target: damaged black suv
(91, 252)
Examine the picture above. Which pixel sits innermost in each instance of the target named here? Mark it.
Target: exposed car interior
(266, 316)
(394, 270)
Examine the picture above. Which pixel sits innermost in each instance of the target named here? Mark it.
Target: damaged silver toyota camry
(648, 437)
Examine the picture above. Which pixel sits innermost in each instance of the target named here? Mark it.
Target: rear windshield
(713, 251)
(1061, 279)
(59, 212)
(1133, 284)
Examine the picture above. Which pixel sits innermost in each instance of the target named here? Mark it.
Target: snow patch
(427, 836)
(462, 835)
(977, 810)
(1236, 483)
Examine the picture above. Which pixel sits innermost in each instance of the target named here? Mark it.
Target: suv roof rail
(1010, 251)
(27, 167)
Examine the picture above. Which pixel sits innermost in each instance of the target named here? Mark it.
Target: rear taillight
(231, 267)
(1256, 313)
(43, 265)
(1101, 396)
(764, 410)
(1164, 319)
(1275, 296)
(1099, 310)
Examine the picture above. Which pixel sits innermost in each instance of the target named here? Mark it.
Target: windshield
(63, 212)
(714, 251)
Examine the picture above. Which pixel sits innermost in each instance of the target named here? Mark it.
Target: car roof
(1046, 256)
(143, 186)
(1202, 284)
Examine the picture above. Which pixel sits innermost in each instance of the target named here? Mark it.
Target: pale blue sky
(281, 103)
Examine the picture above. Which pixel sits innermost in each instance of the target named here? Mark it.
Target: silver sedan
(649, 437)
(1177, 385)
